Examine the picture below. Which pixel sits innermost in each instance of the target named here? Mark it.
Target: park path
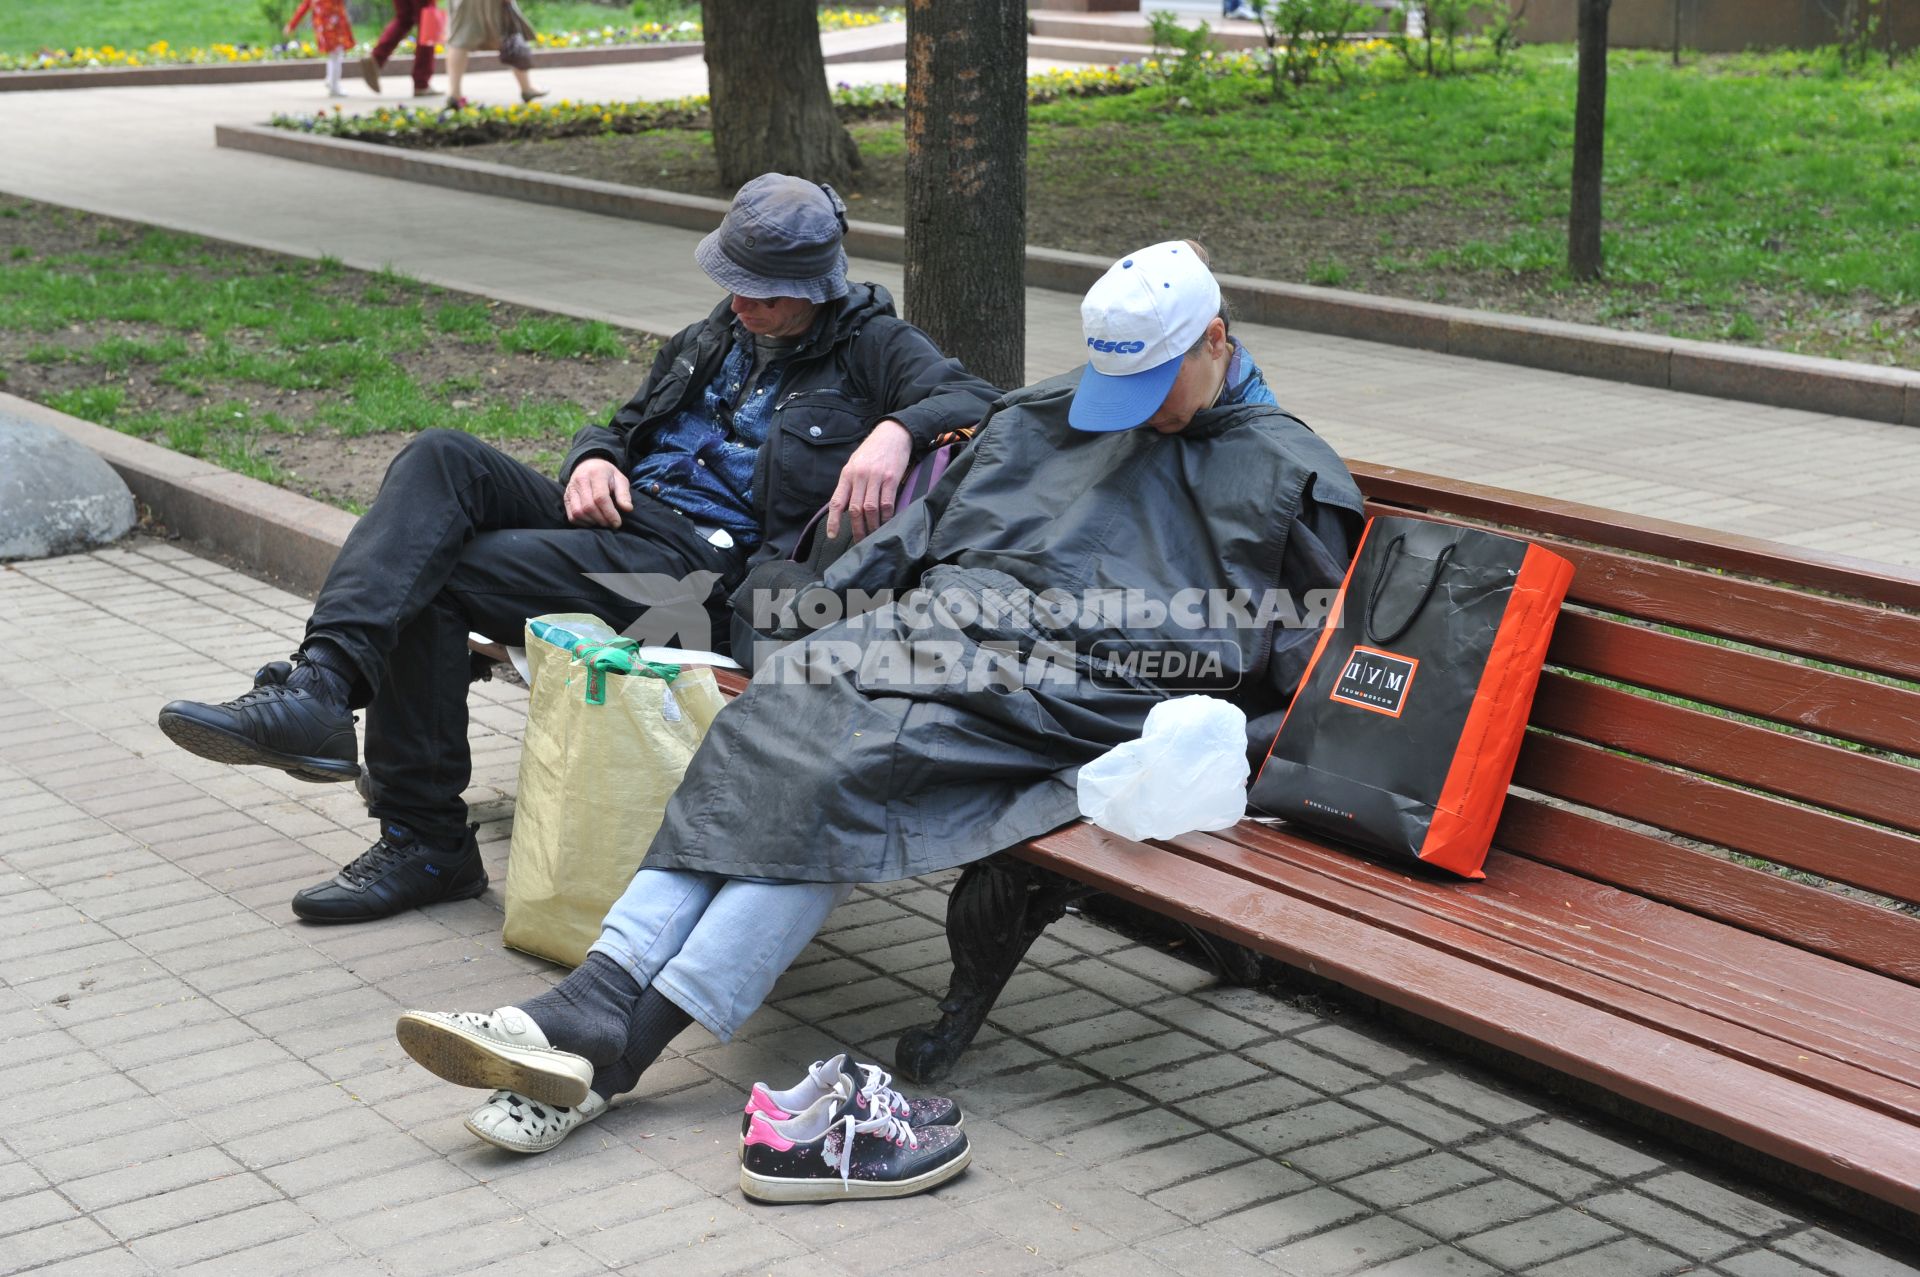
(1820, 481)
(201, 1084)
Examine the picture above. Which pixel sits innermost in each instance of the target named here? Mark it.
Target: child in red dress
(331, 32)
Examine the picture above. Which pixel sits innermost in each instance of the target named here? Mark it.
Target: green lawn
(1766, 199)
(1730, 183)
(284, 368)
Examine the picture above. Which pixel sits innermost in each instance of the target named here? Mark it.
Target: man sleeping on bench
(1133, 517)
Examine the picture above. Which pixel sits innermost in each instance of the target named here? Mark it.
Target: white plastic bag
(1187, 772)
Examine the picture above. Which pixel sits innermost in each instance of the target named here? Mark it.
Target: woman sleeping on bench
(1159, 497)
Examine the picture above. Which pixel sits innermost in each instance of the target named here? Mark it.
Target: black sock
(657, 1020)
(588, 1012)
(327, 674)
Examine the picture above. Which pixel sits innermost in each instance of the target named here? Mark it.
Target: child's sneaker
(828, 1153)
(872, 1096)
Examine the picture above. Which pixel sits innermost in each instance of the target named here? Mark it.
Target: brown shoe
(370, 72)
(531, 94)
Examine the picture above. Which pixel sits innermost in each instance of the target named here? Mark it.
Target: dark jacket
(836, 766)
(859, 365)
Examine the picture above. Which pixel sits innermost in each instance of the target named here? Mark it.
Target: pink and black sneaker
(830, 1153)
(871, 1096)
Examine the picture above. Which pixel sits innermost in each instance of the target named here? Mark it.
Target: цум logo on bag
(1376, 680)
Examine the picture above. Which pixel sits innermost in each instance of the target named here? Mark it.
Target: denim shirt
(1245, 383)
(701, 461)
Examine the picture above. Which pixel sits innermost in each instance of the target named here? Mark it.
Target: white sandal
(520, 1125)
(504, 1051)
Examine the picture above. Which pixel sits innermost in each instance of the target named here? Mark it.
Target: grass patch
(1757, 198)
(297, 372)
(558, 338)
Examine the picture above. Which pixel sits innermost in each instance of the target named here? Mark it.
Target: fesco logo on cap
(1116, 347)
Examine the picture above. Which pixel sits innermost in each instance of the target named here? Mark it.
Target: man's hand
(870, 479)
(597, 494)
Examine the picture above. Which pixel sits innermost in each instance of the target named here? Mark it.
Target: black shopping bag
(1403, 734)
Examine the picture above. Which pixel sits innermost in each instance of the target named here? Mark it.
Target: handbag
(818, 552)
(433, 26)
(516, 42)
(1404, 732)
(608, 738)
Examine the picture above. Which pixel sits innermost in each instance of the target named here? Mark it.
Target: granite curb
(282, 535)
(1839, 387)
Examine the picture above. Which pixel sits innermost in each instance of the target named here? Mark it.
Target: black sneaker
(828, 1153)
(873, 1094)
(274, 725)
(397, 873)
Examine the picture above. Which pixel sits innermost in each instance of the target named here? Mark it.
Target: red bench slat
(1808, 771)
(1862, 578)
(1865, 856)
(1856, 635)
(1765, 686)
(1657, 964)
(1764, 903)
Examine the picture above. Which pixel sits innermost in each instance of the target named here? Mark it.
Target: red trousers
(406, 17)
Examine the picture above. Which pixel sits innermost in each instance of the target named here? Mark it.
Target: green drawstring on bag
(621, 656)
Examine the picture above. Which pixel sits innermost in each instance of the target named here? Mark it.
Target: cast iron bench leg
(997, 910)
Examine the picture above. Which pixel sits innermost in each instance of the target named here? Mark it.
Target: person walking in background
(480, 25)
(332, 33)
(406, 17)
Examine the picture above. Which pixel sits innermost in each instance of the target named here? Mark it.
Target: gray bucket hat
(780, 238)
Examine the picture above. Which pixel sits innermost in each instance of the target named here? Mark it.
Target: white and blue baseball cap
(1140, 319)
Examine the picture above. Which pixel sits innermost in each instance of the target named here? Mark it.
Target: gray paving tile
(1276, 1223)
(1628, 1257)
(1538, 1239)
(1221, 1192)
(1831, 1253)
(1351, 1248)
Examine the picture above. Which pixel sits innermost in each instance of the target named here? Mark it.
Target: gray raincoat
(950, 723)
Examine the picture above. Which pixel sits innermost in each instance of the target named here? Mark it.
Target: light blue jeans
(714, 945)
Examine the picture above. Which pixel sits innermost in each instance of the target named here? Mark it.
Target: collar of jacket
(1213, 421)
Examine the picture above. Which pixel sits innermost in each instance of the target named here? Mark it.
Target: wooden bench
(1722, 718)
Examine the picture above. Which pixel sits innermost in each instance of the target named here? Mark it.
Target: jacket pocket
(813, 434)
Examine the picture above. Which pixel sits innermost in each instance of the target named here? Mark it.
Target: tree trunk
(1589, 141)
(768, 86)
(967, 181)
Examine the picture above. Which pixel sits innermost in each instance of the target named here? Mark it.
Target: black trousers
(462, 537)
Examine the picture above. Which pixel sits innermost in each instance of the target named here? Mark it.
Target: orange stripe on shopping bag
(1469, 806)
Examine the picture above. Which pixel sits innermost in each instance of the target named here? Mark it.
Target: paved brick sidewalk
(198, 1083)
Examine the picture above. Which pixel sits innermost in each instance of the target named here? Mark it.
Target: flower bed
(435, 127)
(161, 53)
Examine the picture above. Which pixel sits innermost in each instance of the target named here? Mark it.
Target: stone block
(56, 496)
